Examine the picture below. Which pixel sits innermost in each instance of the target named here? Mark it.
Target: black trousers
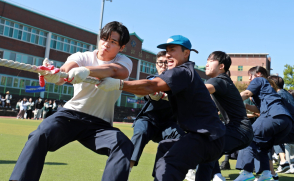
(29, 114)
(176, 156)
(66, 126)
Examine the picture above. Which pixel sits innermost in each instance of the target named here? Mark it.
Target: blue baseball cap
(176, 40)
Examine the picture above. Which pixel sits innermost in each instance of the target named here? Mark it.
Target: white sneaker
(291, 170)
(190, 175)
(266, 175)
(283, 167)
(218, 177)
(245, 176)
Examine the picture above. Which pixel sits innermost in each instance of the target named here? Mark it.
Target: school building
(242, 62)
(28, 36)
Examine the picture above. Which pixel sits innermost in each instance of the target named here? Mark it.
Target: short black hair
(160, 54)
(278, 81)
(117, 27)
(184, 48)
(258, 69)
(222, 58)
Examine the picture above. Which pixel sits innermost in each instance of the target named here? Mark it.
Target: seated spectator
(8, 97)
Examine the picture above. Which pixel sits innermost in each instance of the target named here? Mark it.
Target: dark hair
(160, 54)
(117, 27)
(278, 81)
(222, 58)
(228, 73)
(258, 69)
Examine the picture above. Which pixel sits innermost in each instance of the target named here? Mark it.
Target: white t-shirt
(89, 99)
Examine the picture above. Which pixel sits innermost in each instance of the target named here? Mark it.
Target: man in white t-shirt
(88, 116)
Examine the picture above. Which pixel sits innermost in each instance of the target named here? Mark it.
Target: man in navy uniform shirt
(239, 131)
(191, 103)
(156, 120)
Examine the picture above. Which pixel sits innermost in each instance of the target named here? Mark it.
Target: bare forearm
(252, 108)
(103, 71)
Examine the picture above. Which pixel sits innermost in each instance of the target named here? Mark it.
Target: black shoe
(225, 165)
(276, 177)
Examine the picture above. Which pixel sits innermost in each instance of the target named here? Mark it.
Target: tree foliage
(241, 86)
(289, 77)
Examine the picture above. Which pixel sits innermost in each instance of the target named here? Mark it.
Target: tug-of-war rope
(43, 70)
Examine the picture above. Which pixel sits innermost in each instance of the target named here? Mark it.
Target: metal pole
(101, 20)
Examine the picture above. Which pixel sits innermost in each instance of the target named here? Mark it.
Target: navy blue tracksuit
(239, 131)
(155, 122)
(66, 126)
(197, 115)
(271, 128)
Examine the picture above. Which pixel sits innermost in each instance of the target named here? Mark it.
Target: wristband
(121, 86)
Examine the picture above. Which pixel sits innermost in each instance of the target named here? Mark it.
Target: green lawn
(73, 161)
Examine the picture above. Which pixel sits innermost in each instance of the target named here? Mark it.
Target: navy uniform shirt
(159, 113)
(266, 98)
(231, 101)
(191, 101)
(288, 101)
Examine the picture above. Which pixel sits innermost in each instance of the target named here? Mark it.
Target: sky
(232, 26)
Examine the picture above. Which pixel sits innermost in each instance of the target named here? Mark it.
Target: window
(21, 84)
(66, 45)
(240, 78)
(70, 90)
(15, 82)
(56, 88)
(22, 32)
(64, 90)
(3, 80)
(9, 81)
(1, 54)
(240, 68)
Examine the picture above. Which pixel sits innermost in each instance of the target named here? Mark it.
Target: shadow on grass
(46, 163)
(282, 177)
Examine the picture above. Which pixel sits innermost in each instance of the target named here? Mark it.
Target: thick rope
(35, 69)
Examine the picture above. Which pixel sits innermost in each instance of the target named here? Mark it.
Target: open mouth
(170, 63)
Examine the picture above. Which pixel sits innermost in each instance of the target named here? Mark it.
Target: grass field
(73, 161)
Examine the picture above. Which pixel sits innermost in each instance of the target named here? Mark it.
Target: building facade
(28, 37)
(242, 62)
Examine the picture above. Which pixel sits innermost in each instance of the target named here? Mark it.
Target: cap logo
(169, 40)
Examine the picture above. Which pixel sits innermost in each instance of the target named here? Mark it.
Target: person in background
(22, 108)
(38, 108)
(291, 92)
(30, 108)
(45, 108)
(55, 106)
(8, 97)
(18, 105)
(288, 101)
(49, 109)
(3, 101)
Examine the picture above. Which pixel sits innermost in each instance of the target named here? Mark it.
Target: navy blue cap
(176, 40)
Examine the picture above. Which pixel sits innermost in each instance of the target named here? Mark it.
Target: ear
(122, 48)
(186, 54)
(222, 66)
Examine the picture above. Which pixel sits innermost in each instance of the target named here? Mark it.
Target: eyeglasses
(160, 64)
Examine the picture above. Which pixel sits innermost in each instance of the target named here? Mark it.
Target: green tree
(289, 77)
(241, 86)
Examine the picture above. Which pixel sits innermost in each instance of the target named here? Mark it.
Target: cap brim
(164, 45)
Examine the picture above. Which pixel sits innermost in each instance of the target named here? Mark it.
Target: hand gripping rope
(40, 69)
